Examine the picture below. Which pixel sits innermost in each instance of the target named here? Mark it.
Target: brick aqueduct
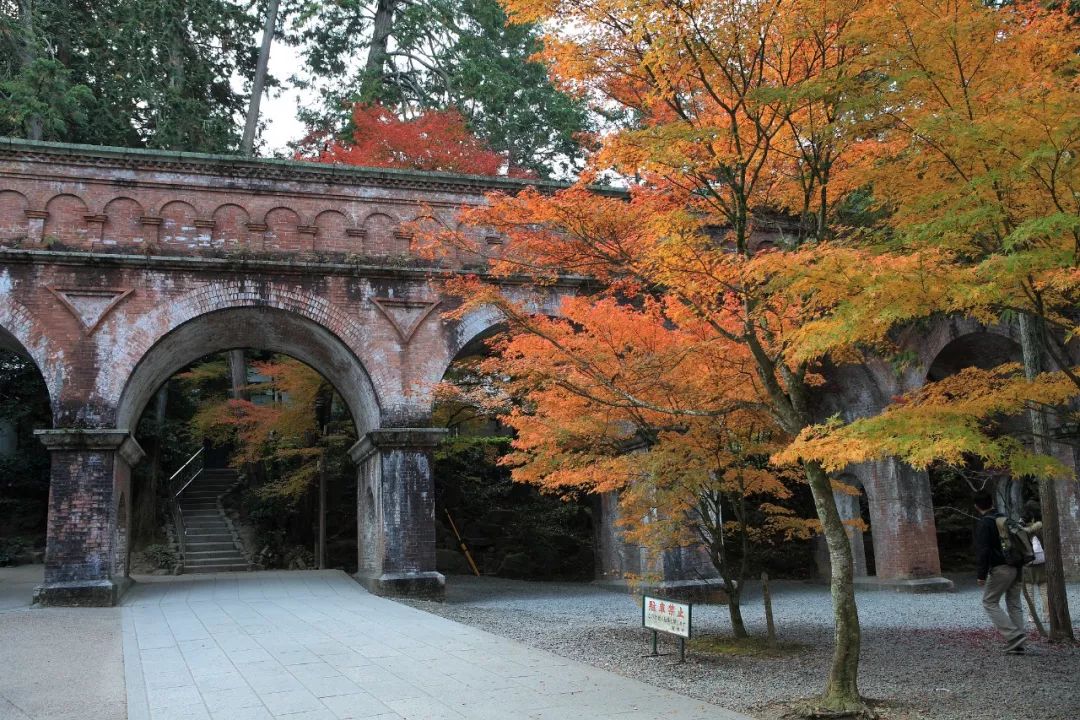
(120, 267)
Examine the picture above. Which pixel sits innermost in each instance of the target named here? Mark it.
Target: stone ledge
(905, 585)
(694, 591)
(428, 585)
(81, 593)
(419, 438)
(74, 439)
(363, 267)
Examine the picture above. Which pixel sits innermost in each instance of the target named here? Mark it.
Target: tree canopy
(127, 72)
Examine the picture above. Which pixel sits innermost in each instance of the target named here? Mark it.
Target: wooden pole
(1031, 607)
(461, 543)
(322, 511)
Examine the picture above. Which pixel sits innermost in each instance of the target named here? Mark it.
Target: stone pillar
(615, 558)
(86, 555)
(1068, 498)
(683, 572)
(848, 506)
(903, 527)
(396, 512)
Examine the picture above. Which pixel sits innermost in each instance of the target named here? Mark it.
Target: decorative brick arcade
(120, 267)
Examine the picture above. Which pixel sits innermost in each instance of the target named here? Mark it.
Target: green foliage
(161, 557)
(153, 73)
(11, 549)
(446, 53)
(512, 530)
(42, 91)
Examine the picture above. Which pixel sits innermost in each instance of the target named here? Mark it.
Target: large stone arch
(275, 317)
(262, 327)
(904, 529)
(953, 333)
(485, 320)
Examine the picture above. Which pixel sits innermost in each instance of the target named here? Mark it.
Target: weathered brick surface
(118, 268)
(395, 511)
(82, 513)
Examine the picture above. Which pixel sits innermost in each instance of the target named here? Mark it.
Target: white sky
(278, 110)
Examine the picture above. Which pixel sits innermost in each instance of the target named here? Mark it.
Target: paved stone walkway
(316, 646)
(57, 663)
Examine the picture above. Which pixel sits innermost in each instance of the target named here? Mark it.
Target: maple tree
(434, 140)
(975, 160)
(648, 251)
(439, 54)
(745, 110)
(575, 431)
(284, 436)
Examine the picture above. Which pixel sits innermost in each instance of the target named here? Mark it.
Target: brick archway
(223, 316)
(21, 332)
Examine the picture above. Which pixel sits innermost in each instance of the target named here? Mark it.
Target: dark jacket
(988, 552)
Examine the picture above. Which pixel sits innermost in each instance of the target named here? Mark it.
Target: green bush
(511, 529)
(162, 557)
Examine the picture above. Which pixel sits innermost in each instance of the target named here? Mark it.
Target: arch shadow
(265, 328)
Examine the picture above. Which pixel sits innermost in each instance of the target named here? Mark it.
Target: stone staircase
(208, 538)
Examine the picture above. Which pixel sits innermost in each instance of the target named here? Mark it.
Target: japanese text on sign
(665, 616)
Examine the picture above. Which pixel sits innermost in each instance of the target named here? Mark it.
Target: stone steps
(213, 537)
(196, 547)
(208, 540)
(210, 568)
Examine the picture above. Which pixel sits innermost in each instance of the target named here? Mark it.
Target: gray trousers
(1004, 580)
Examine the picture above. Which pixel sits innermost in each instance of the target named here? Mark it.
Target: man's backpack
(1015, 542)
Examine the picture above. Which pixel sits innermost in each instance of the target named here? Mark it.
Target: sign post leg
(682, 650)
(653, 653)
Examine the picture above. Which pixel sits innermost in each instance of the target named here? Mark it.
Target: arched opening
(510, 529)
(24, 461)
(953, 486)
(246, 415)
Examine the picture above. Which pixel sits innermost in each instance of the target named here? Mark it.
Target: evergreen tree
(437, 54)
(153, 73)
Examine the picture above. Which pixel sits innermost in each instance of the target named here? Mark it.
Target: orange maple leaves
(434, 140)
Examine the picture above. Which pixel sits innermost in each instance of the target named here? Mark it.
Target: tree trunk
(378, 52)
(247, 144)
(237, 373)
(842, 690)
(1060, 618)
(766, 600)
(35, 124)
(734, 593)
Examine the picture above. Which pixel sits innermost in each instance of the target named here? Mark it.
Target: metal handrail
(181, 531)
(174, 499)
(190, 460)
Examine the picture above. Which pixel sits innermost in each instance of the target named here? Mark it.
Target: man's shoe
(1016, 651)
(1017, 643)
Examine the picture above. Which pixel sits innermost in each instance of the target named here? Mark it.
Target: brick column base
(86, 554)
(903, 527)
(396, 512)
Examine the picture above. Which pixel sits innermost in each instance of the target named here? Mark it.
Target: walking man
(997, 577)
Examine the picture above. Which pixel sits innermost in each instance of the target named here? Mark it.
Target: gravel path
(928, 656)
